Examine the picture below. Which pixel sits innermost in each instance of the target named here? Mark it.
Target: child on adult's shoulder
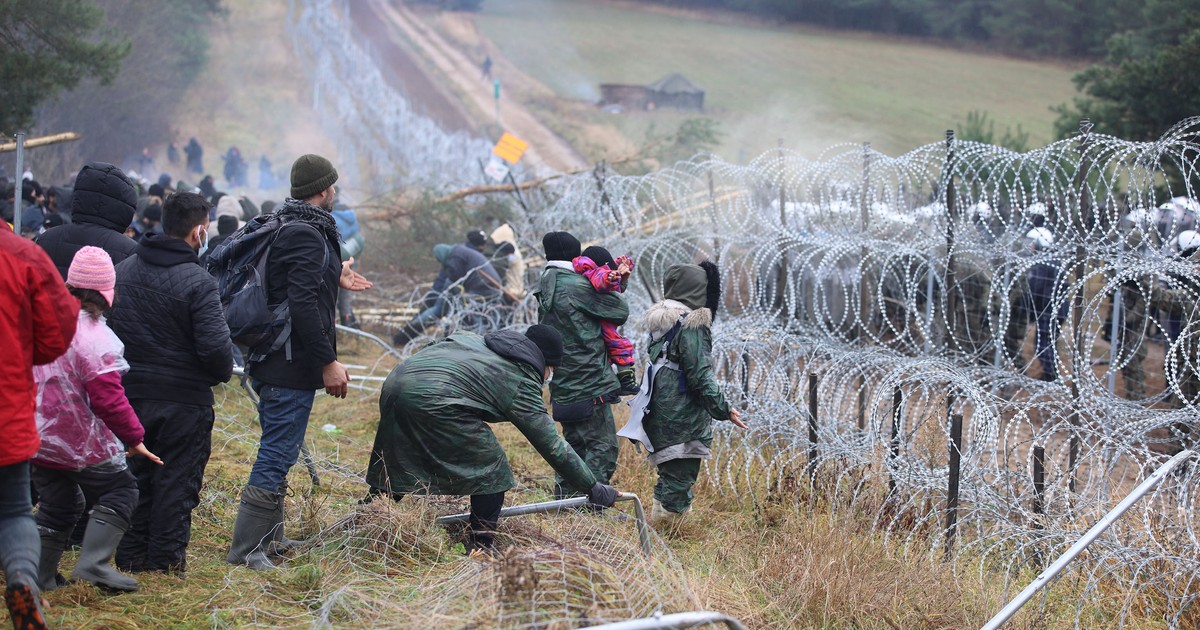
(611, 276)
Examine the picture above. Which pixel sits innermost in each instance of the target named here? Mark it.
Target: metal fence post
(952, 493)
(812, 428)
(1039, 483)
(894, 447)
(1081, 363)
(19, 186)
(951, 287)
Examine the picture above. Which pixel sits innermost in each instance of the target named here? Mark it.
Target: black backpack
(239, 265)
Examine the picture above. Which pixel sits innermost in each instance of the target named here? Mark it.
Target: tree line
(66, 64)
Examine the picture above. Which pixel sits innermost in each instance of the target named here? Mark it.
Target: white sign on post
(496, 169)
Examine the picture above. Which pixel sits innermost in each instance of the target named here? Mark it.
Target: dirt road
(455, 70)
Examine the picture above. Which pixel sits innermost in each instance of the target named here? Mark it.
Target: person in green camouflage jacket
(433, 437)
(685, 396)
(584, 386)
(1177, 296)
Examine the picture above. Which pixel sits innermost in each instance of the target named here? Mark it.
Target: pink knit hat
(92, 268)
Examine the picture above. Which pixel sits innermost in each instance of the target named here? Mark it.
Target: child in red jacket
(86, 425)
(610, 276)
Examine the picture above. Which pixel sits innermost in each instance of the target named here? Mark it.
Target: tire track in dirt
(546, 148)
(402, 72)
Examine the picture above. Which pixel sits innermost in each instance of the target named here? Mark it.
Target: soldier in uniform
(1177, 296)
(973, 284)
(1137, 230)
(433, 436)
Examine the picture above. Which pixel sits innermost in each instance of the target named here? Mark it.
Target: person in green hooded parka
(433, 436)
(685, 396)
(584, 386)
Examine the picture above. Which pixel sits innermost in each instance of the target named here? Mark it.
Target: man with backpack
(177, 344)
(289, 365)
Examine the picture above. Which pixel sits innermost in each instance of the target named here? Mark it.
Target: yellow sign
(510, 148)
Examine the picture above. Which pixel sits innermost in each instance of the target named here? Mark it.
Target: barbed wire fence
(377, 129)
(872, 299)
(874, 304)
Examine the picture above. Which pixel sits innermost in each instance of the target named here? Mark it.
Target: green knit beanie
(311, 174)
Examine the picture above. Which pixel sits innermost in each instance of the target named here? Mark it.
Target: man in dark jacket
(433, 436)
(177, 343)
(464, 267)
(287, 380)
(568, 303)
(102, 207)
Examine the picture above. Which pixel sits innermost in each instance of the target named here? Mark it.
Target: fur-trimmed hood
(661, 317)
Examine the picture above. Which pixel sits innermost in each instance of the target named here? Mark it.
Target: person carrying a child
(86, 425)
(611, 276)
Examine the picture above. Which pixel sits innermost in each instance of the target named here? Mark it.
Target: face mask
(203, 242)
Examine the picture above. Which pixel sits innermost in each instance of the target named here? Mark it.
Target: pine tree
(47, 46)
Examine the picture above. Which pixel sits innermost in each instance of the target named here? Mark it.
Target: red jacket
(37, 322)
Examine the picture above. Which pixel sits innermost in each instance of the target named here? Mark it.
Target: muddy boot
(100, 540)
(24, 604)
(280, 543)
(257, 520)
(53, 544)
(662, 518)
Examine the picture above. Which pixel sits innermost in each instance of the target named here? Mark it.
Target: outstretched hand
(141, 449)
(735, 417)
(352, 280)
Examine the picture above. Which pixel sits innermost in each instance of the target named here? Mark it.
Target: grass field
(774, 562)
(809, 88)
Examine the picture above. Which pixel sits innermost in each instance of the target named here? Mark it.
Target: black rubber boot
(280, 543)
(104, 531)
(53, 544)
(406, 334)
(253, 530)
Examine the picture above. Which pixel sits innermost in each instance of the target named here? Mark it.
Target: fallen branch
(42, 141)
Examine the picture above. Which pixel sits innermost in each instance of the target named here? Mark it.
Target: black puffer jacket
(102, 207)
(169, 316)
(293, 274)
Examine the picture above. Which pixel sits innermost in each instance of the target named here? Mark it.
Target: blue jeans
(283, 413)
(430, 315)
(20, 546)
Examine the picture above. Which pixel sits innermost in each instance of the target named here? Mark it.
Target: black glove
(603, 495)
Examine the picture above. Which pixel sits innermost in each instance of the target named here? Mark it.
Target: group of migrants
(110, 404)
(433, 435)
(236, 169)
(109, 413)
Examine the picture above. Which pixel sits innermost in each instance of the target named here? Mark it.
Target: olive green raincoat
(568, 303)
(433, 437)
(686, 396)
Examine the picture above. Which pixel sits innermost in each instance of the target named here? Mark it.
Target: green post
(496, 96)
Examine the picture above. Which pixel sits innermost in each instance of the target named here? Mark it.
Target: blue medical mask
(203, 242)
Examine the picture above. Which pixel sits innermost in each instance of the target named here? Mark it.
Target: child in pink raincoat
(86, 426)
(610, 276)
